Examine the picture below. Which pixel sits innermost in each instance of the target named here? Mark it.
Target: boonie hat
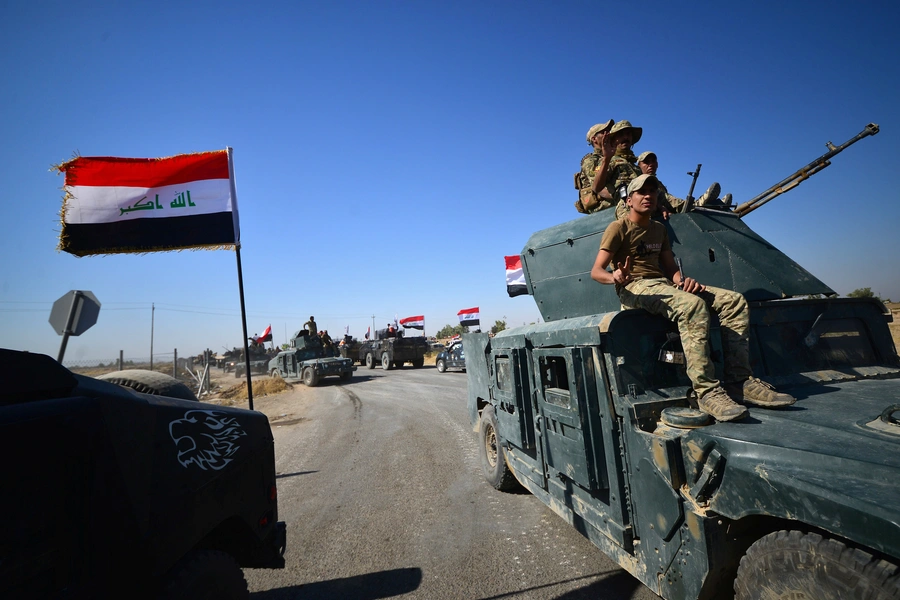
(598, 128)
(642, 157)
(638, 182)
(636, 134)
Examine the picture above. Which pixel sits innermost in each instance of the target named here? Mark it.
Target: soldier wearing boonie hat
(619, 164)
(646, 276)
(590, 201)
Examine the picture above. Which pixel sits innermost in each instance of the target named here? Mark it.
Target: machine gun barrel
(804, 173)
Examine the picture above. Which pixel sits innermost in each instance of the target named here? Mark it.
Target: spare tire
(150, 382)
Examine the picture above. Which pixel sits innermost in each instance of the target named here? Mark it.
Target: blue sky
(389, 154)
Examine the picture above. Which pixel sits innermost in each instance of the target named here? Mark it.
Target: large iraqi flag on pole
(469, 316)
(121, 205)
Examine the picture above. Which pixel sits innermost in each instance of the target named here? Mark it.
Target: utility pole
(152, 316)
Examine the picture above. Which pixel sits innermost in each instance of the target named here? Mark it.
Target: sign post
(73, 314)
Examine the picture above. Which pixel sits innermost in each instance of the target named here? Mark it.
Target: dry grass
(264, 386)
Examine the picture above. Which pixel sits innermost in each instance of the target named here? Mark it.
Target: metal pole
(175, 365)
(121, 359)
(237, 252)
(152, 316)
(73, 310)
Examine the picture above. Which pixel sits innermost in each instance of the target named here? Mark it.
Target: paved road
(381, 488)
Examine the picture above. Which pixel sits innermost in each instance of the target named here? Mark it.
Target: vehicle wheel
(310, 379)
(206, 574)
(418, 363)
(275, 374)
(370, 361)
(346, 375)
(493, 458)
(150, 382)
(386, 362)
(791, 564)
(441, 366)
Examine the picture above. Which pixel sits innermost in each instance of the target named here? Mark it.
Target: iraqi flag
(123, 205)
(515, 277)
(469, 316)
(413, 322)
(368, 332)
(266, 335)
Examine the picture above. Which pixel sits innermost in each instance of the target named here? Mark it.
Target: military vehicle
(349, 348)
(259, 361)
(392, 349)
(453, 358)
(310, 361)
(590, 412)
(112, 492)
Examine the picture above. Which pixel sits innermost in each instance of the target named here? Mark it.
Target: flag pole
(237, 253)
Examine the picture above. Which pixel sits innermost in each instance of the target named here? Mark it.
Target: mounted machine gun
(804, 173)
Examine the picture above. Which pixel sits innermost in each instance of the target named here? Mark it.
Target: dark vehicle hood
(827, 461)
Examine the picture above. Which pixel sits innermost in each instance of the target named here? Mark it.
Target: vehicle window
(555, 380)
(503, 372)
(808, 346)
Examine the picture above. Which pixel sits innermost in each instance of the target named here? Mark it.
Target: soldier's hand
(606, 144)
(622, 274)
(691, 286)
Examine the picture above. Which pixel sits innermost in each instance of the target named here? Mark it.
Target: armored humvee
(589, 412)
(113, 492)
(309, 360)
(392, 349)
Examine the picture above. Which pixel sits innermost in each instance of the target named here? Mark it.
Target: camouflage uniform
(690, 312)
(590, 164)
(654, 293)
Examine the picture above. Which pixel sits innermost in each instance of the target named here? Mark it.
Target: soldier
(667, 203)
(311, 326)
(646, 276)
(619, 164)
(591, 200)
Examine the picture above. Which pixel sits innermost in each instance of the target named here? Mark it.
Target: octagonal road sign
(78, 306)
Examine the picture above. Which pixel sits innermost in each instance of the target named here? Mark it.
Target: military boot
(726, 200)
(759, 393)
(711, 194)
(718, 404)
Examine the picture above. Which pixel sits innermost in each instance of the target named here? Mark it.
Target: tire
(346, 375)
(206, 574)
(791, 564)
(493, 458)
(418, 363)
(310, 379)
(386, 362)
(370, 361)
(441, 366)
(150, 382)
(275, 374)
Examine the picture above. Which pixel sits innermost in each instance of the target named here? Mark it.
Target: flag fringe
(111, 251)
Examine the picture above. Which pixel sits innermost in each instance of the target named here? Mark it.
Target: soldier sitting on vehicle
(646, 276)
(591, 199)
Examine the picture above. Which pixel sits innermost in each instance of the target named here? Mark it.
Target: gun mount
(806, 172)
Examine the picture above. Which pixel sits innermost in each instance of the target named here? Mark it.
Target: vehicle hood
(828, 461)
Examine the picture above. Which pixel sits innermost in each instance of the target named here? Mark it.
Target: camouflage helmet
(638, 182)
(642, 157)
(599, 127)
(636, 134)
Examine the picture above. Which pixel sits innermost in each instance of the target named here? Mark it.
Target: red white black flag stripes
(469, 316)
(413, 322)
(118, 205)
(266, 335)
(515, 277)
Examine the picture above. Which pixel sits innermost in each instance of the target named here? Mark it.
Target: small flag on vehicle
(515, 277)
(469, 316)
(413, 322)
